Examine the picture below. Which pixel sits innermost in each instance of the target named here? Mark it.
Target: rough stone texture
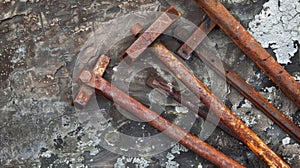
(43, 45)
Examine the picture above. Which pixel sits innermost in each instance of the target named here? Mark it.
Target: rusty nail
(85, 93)
(173, 131)
(157, 82)
(246, 42)
(249, 92)
(245, 134)
(151, 34)
(239, 83)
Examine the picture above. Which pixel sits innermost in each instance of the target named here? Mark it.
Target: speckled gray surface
(40, 45)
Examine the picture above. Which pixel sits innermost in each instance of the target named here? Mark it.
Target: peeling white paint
(247, 104)
(177, 148)
(46, 154)
(277, 27)
(171, 163)
(297, 76)
(286, 140)
(200, 166)
(137, 161)
(181, 109)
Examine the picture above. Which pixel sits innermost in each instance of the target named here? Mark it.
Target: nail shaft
(157, 82)
(245, 134)
(173, 131)
(250, 93)
(209, 58)
(151, 34)
(246, 42)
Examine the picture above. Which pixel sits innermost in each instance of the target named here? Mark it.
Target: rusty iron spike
(104, 88)
(250, 93)
(85, 93)
(235, 80)
(157, 82)
(173, 131)
(246, 42)
(245, 134)
(150, 35)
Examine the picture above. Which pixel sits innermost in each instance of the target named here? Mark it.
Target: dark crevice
(10, 18)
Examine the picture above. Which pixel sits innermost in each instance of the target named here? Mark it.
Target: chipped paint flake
(286, 140)
(277, 27)
(137, 161)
